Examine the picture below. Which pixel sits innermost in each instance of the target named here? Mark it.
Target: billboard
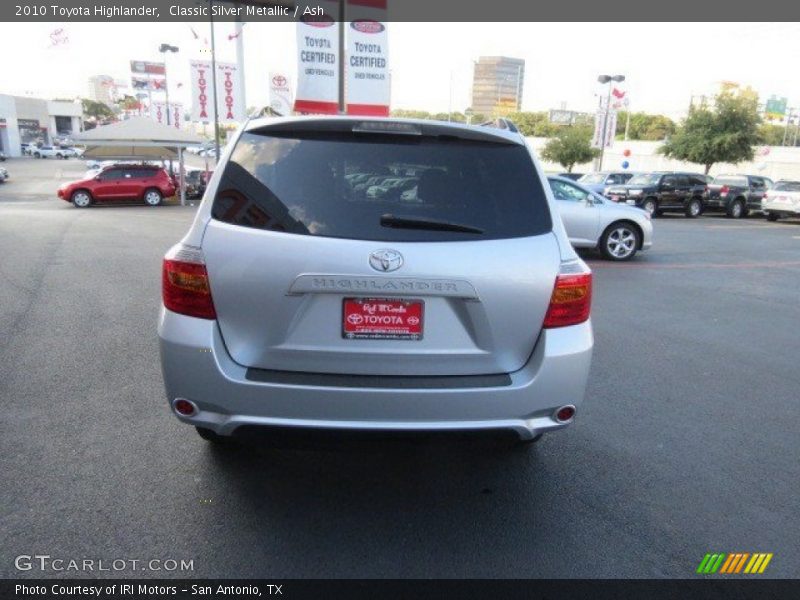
(776, 108)
(148, 84)
(143, 67)
(367, 70)
(318, 61)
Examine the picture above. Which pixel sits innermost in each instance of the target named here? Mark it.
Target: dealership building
(28, 120)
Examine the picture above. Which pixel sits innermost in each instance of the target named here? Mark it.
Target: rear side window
(342, 184)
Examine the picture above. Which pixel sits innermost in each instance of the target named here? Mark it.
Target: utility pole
(342, 103)
(786, 127)
(240, 61)
(214, 79)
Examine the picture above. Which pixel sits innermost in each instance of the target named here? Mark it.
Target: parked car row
(47, 151)
(693, 194)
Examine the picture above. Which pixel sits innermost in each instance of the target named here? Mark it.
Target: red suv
(146, 183)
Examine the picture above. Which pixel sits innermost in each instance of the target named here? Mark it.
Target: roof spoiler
(501, 123)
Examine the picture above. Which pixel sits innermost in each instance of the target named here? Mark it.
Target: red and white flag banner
(201, 90)
(367, 68)
(230, 106)
(317, 59)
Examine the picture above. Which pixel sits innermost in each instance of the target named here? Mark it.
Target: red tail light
(184, 283)
(571, 301)
(723, 191)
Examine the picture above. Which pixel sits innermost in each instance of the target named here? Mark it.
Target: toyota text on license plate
(382, 319)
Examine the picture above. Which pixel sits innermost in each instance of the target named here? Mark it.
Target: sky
(431, 63)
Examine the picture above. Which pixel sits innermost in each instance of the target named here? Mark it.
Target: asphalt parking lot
(687, 442)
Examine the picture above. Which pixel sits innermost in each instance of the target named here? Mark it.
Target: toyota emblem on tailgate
(386, 260)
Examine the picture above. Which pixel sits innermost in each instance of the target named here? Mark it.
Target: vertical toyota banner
(230, 104)
(201, 90)
(367, 66)
(158, 112)
(317, 60)
(280, 93)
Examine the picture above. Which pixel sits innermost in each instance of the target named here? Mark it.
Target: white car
(618, 231)
(783, 200)
(52, 152)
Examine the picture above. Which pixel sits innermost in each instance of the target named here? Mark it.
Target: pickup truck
(736, 195)
(663, 191)
(53, 152)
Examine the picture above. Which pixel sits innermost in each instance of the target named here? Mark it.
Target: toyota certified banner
(367, 67)
(317, 60)
(280, 93)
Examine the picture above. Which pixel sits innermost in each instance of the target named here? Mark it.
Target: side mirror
(98, 178)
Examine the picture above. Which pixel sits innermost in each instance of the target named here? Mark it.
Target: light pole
(606, 79)
(164, 48)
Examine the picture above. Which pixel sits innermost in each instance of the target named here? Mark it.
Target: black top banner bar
(401, 10)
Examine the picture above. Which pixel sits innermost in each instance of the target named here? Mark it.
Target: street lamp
(607, 79)
(164, 48)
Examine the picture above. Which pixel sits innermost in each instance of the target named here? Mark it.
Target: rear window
(731, 180)
(787, 186)
(342, 184)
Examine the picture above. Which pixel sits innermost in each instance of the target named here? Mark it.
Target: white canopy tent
(138, 138)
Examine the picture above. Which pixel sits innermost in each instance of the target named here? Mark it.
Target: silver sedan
(592, 221)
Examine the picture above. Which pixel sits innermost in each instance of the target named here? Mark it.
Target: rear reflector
(571, 301)
(184, 284)
(184, 407)
(565, 413)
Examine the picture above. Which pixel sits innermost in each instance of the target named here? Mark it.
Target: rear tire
(772, 216)
(736, 209)
(152, 197)
(694, 208)
(210, 436)
(619, 241)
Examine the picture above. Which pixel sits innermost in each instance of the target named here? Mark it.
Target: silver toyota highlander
(297, 300)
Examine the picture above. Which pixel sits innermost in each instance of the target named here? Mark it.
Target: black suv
(737, 195)
(660, 192)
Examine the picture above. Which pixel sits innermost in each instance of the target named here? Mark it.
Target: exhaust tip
(184, 407)
(565, 414)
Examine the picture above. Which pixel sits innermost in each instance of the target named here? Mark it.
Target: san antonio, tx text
(129, 589)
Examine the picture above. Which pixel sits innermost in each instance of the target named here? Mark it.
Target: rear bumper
(196, 366)
(780, 207)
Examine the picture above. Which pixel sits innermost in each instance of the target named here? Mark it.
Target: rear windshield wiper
(403, 222)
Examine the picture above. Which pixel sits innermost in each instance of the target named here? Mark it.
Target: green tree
(96, 110)
(771, 134)
(725, 133)
(644, 126)
(571, 146)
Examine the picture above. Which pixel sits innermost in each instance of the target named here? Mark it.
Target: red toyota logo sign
(279, 81)
(317, 21)
(367, 26)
